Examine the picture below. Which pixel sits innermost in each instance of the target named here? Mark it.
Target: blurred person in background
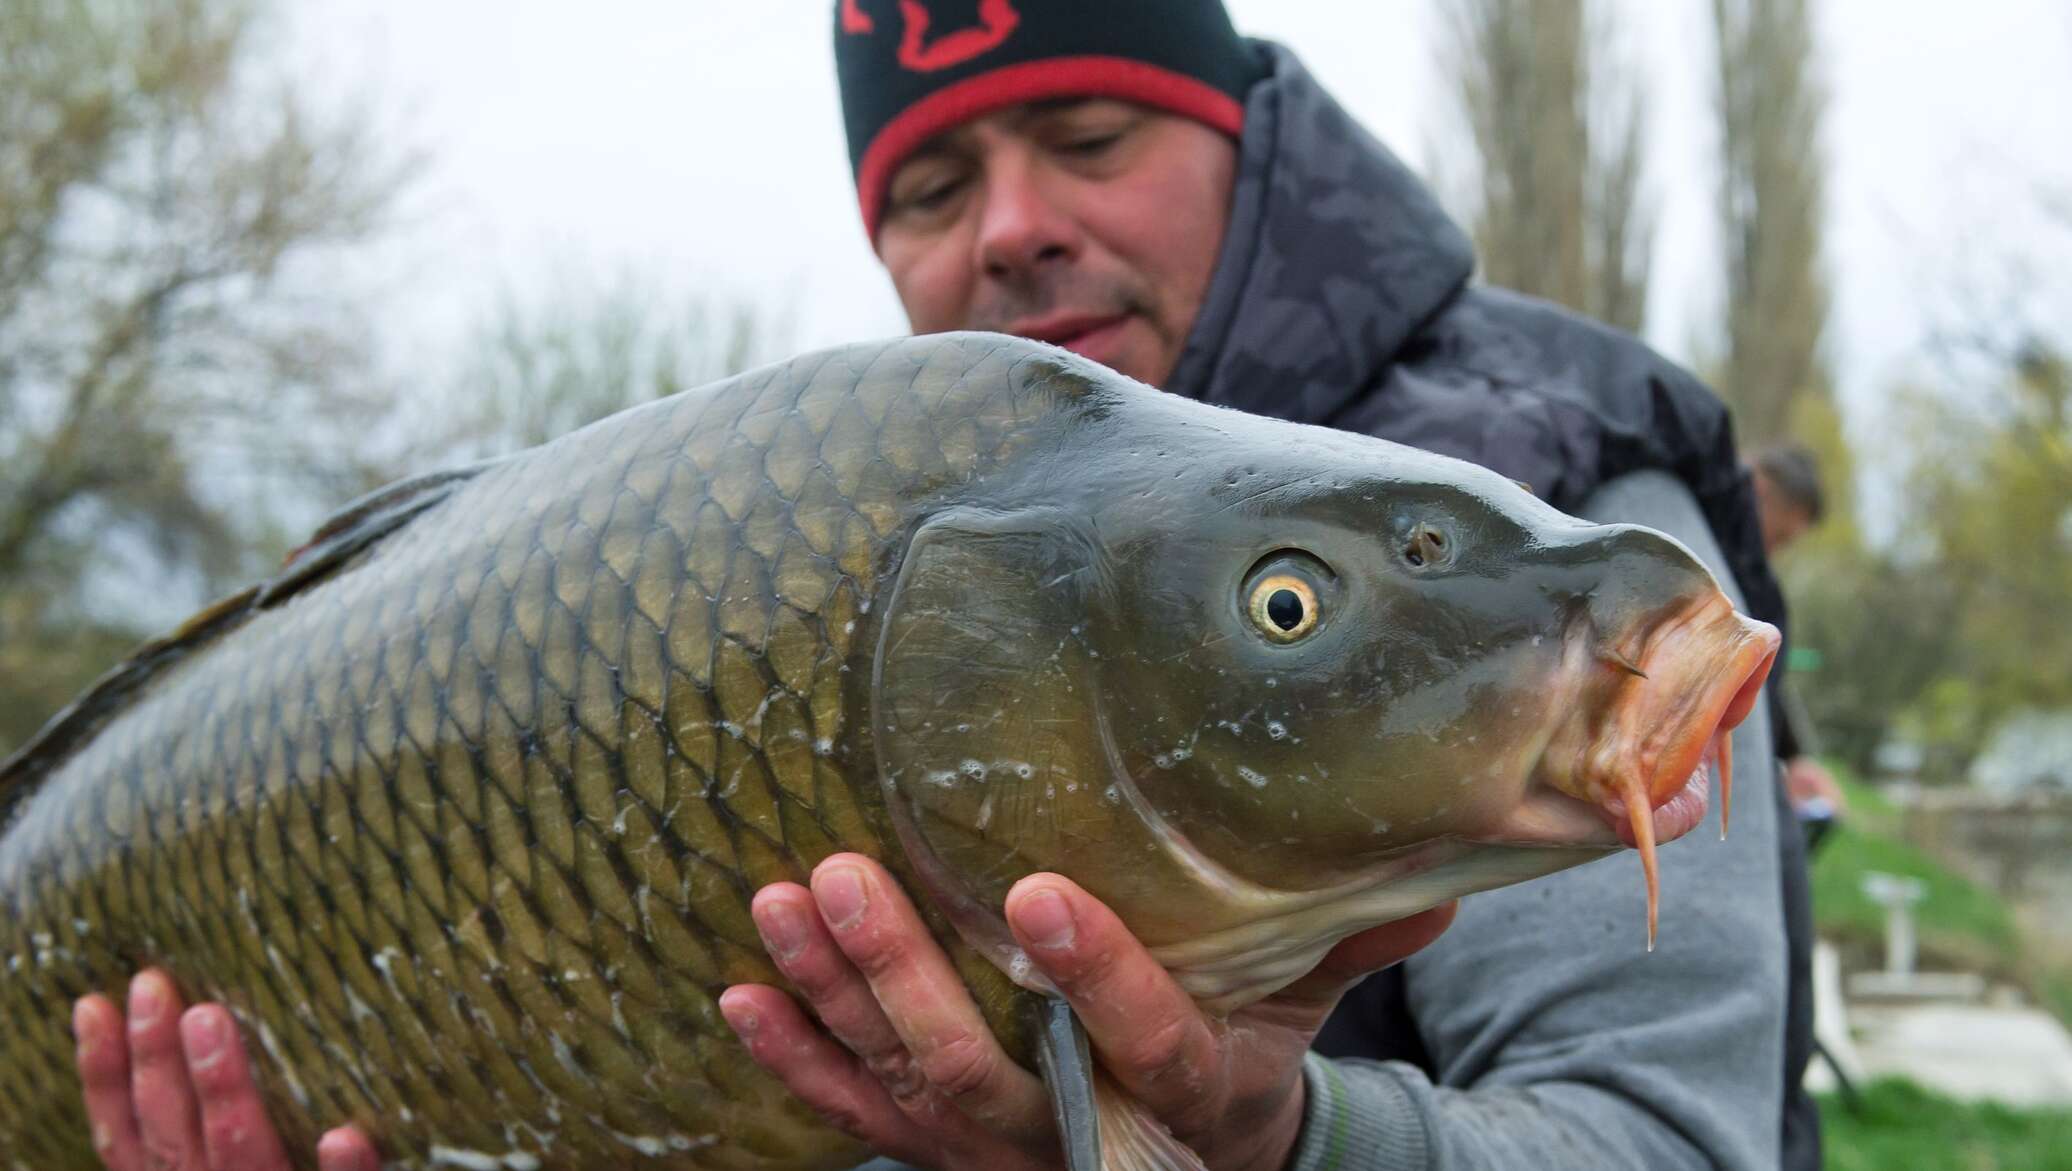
(1139, 184)
(1790, 502)
(1788, 496)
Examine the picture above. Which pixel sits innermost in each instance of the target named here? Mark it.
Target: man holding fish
(1137, 184)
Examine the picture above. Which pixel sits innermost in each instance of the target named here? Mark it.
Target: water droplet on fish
(1272, 682)
(1256, 780)
(1276, 730)
(1024, 770)
(973, 769)
(1162, 760)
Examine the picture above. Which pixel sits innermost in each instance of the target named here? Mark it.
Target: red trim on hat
(1086, 76)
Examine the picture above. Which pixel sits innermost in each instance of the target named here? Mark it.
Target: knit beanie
(911, 69)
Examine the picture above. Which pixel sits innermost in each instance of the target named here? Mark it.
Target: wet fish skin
(461, 816)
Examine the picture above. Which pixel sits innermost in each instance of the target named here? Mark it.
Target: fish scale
(465, 830)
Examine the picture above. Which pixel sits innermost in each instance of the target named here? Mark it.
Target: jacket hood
(1335, 255)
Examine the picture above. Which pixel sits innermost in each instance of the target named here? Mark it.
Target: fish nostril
(1426, 545)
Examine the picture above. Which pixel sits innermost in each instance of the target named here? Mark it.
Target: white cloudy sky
(699, 142)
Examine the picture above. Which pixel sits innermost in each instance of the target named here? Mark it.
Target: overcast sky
(699, 142)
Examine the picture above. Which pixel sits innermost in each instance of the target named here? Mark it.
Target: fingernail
(783, 929)
(83, 1031)
(202, 1034)
(1045, 920)
(146, 1001)
(343, 1147)
(740, 1016)
(840, 891)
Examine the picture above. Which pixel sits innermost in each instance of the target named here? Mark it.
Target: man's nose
(1021, 225)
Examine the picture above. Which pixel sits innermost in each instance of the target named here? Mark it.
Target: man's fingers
(235, 1131)
(346, 1149)
(923, 998)
(168, 1122)
(1147, 1029)
(789, 922)
(104, 1072)
(819, 1072)
(1358, 956)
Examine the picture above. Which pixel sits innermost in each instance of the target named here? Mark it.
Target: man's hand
(1807, 780)
(176, 1093)
(912, 1070)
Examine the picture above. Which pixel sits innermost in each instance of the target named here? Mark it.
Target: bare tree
(1771, 182)
(535, 367)
(168, 357)
(1556, 118)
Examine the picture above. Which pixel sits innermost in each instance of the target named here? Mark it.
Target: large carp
(462, 812)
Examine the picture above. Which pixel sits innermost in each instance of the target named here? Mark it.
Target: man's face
(1090, 223)
(1783, 521)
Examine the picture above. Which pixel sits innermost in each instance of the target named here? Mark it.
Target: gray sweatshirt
(1559, 1041)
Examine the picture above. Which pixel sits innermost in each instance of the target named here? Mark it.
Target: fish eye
(1284, 607)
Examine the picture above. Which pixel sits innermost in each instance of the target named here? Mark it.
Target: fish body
(461, 814)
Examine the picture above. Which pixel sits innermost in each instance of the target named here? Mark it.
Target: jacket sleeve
(1558, 1041)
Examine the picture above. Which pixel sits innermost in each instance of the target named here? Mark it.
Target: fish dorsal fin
(360, 524)
(348, 531)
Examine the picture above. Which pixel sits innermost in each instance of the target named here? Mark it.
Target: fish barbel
(461, 813)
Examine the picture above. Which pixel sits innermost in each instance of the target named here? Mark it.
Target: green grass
(1960, 924)
(1903, 1126)
(2054, 992)
(1958, 921)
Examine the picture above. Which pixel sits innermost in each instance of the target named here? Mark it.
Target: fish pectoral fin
(1068, 1070)
(1132, 1140)
(1102, 1127)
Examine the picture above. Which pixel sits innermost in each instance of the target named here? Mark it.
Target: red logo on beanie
(996, 19)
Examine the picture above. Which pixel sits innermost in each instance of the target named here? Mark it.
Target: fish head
(1351, 665)
(1360, 667)
(1261, 685)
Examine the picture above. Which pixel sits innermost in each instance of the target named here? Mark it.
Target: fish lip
(1549, 817)
(1678, 814)
(1703, 668)
(1707, 702)
(1060, 328)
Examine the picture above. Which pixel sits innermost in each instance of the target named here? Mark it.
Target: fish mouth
(1638, 768)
